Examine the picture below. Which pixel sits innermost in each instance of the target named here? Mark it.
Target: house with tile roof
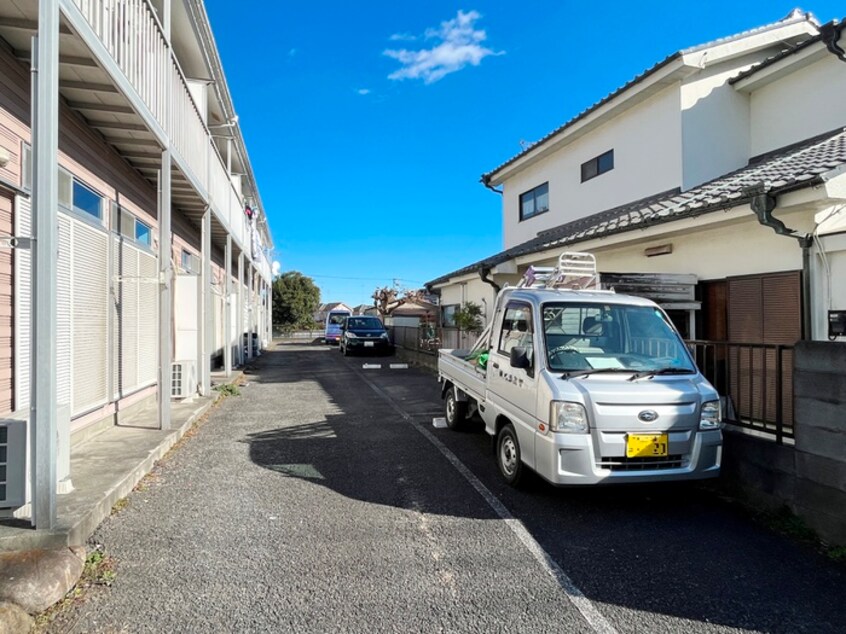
(713, 183)
(723, 161)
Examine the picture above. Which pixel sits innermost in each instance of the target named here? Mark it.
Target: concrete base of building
(105, 468)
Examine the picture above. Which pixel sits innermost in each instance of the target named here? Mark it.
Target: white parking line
(371, 366)
(399, 366)
(586, 608)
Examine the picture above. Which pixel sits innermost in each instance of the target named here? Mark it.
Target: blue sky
(369, 123)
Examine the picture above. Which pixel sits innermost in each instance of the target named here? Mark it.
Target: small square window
(534, 201)
(598, 165)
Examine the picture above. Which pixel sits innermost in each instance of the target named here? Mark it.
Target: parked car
(363, 333)
(334, 324)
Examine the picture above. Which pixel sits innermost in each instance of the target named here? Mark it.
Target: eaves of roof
(794, 167)
(788, 52)
(793, 17)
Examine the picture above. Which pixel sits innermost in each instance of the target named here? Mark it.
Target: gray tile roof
(795, 16)
(794, 167)
(834, 25)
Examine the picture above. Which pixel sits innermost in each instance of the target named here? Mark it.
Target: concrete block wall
(810, 476)
(820, 395)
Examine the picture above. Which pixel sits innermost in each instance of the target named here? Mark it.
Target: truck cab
(587, 387)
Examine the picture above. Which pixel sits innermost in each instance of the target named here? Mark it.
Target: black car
(362, 333)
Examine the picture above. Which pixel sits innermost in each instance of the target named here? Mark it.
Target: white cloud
(457, 43)
(402, 37)
(363, 91)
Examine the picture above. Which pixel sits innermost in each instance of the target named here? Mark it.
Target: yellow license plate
(646, 445)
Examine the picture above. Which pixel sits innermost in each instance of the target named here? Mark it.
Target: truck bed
(465, 375)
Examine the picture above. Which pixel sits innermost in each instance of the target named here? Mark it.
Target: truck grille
(622, 463)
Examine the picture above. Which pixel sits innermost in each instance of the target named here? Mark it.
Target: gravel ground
(310, 504)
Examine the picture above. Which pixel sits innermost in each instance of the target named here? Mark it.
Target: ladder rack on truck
(575, 271)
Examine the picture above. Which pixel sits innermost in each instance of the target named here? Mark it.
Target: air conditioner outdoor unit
(12, 465)
(183, 379)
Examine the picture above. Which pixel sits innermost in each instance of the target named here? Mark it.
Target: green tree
(295, 300)
(469, 317)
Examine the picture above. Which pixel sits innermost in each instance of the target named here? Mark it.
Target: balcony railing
(132, 34)
(186, 130)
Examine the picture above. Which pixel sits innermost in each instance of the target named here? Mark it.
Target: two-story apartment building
(688, 169)
(159, 268)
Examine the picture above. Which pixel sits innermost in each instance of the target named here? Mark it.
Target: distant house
(325, 309)
(724, 162)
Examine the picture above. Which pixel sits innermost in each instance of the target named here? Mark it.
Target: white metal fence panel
(63, 313)
(148, 331)
(90, 293)
(23, 304)
(127, 294)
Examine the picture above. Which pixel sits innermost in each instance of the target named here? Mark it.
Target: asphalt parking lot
(323, 499)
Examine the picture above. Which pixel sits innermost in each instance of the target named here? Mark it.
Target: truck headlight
(351, 335)
(711, 416)
(384, 336)
(569, 418)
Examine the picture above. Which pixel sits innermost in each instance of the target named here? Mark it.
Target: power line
(374, 279)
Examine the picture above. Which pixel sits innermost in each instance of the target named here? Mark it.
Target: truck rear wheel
(455, 411)
(508, 455)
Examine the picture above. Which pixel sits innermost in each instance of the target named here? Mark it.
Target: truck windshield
(612, 337)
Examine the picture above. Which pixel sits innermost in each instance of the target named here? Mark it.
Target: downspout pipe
(830, 34)
(483, 274)
(763, 203)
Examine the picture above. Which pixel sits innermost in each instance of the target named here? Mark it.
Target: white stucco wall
(472, 290)
(738, 247)
(828, 289)
(715, 124)
(798, 106)
(647, 160)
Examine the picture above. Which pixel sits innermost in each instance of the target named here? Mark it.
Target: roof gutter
(486, 181)
(763, 202)
(830, 34)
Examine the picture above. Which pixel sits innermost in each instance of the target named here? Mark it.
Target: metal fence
(428, 338)
(757, 380)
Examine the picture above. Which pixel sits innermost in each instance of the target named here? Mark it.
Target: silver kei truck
(584, 386)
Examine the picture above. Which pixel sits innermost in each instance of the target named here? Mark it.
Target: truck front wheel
(508, 455)
(455, 411)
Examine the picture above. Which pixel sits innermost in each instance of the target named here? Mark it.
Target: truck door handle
(496, 366)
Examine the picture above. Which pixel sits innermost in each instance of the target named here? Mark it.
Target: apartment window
(128, 226)
(189, 262)
(87, 201)
(73, 194)
(143, 233)
(598, 165)
(534, 201)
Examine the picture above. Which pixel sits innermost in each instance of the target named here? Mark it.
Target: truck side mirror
(520, 358)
